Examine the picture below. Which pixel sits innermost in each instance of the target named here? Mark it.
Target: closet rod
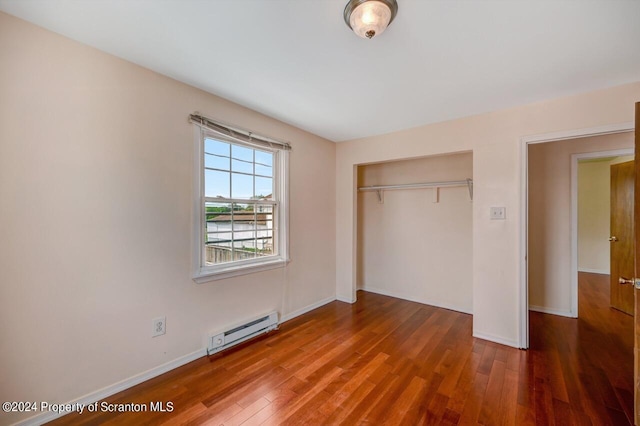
(379, 188)
(418, 185)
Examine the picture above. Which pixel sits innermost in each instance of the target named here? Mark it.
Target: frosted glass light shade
(369, 18)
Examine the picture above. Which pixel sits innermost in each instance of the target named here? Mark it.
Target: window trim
(201, 273)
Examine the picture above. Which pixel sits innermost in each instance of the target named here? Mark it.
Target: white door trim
(525, 141)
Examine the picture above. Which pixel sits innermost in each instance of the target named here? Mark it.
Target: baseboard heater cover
(222, 340)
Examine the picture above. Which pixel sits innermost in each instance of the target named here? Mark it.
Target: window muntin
(242, 210)
(238, 231)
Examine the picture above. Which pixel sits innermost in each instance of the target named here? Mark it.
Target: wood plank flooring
(391, 361)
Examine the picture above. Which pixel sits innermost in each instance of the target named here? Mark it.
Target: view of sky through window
(233, 171)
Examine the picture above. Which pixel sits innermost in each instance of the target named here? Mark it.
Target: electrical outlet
(498, 213)
(159, 326)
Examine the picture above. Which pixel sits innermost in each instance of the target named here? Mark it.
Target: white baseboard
(344, 299)
(149, 374)
(117, 387)
(496, 339)
(595, 271)
(551, 311)
(306, 309)
(398, 295)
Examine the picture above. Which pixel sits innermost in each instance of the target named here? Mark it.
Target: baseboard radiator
(220, 341)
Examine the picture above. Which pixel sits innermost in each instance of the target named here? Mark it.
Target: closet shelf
(379, 188)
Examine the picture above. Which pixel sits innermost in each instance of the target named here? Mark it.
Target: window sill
(222, 272)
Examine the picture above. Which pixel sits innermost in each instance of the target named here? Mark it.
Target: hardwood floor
(390, 361)
(583, 369)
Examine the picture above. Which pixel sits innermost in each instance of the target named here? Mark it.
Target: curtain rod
(237, 134)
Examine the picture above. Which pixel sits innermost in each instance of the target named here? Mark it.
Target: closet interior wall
(413, 245)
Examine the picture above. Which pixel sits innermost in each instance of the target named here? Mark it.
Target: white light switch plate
(498, 213)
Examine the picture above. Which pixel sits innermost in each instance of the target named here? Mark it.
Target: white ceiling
(296, 60)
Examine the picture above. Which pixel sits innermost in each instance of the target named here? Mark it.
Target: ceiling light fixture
(369, 18)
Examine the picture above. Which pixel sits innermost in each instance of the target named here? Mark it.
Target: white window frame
(201, 272)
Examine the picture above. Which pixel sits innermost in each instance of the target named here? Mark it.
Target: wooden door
(636, 328)
(622, 238)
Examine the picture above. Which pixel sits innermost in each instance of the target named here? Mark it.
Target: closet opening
(414, 230)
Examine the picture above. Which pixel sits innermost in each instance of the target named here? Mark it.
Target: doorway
(592, 212)
(552, 260)
(553, 219)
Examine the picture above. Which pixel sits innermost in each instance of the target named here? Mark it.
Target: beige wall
(550, 218)
(95, 220)
(594, 213)
(409, 246)
(593, 216)
(495, 139)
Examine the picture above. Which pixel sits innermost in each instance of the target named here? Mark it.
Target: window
(241, 207)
